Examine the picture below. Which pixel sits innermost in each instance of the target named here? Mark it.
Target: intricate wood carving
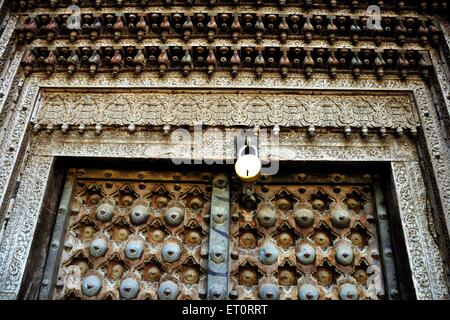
(294, 239)
(226, 109)
(22, 223)
(141, 238)
(409, 188)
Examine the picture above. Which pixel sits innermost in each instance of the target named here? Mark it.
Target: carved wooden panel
(303, 236)
(145, 235)
(135, 235)
(265, 108)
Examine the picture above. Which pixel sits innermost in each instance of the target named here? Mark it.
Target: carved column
(22, 222)
(424, 257)
(436, 146)
(10, 58)
(14, 143)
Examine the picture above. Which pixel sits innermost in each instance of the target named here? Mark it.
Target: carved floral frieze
(227, 109)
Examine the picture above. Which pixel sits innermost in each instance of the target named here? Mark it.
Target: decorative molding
(222, 108)
(443, 83)
(427, 271)
(436, 145)
(158, 8)
(9, 77)
(7, 34)
(223, 80)
(10, 58)
(18, 236)
(427, 266)
(218, 144)
(332, 147)
(445, 27)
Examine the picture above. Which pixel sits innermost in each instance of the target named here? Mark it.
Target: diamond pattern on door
(303, 236)
(135, 235)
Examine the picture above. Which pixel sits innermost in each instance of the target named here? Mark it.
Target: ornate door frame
(39, 152)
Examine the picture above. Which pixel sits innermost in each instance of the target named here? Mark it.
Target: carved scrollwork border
(10, 58)
(227, 108)
(16, 242)
(412, 199)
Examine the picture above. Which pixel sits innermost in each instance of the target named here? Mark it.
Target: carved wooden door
(131, 235)
(309, 236)
(171, 235)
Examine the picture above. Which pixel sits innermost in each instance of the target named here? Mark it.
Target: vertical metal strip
(219, 238)
(57, 243)
(390, 274)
